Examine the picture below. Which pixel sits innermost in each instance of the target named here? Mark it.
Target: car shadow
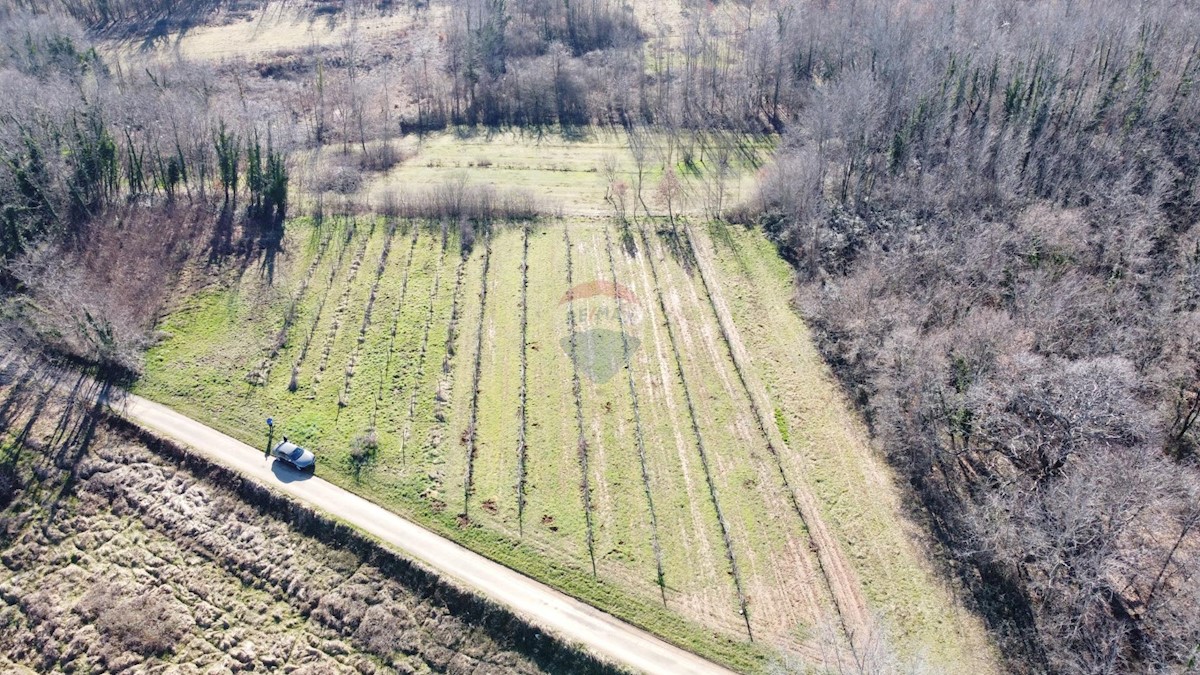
(286, 473)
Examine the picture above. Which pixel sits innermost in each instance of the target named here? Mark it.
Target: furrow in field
(576, 390)
(497, 429)
(705, 465)
(782, 582)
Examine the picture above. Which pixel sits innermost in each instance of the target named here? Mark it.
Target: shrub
(148, 623)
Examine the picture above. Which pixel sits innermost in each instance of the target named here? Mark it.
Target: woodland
(991, 209)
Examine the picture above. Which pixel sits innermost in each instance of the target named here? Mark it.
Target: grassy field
(831, 454)
(278, 27)
(625, 465)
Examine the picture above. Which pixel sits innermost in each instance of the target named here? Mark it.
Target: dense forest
(991, 207)
(993, 211)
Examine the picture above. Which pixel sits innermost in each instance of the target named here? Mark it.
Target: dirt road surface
(553, 611)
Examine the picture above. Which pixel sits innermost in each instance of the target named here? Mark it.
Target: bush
(149, 623)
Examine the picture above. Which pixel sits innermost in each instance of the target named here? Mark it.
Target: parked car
(295, 455)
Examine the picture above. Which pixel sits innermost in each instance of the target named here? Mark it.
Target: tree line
(78, 140)
(992, 208)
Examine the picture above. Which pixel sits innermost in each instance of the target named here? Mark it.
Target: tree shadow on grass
(677, 245)
(220, 243)
(83, 411)
(271, 246)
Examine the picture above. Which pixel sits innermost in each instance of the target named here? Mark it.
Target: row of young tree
(993, 210)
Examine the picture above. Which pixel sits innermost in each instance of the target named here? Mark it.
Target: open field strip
(341, 336)
(559, 171)
(216, 377)
(262, 372)
(368, 312)
(278, 27)
(695, 567)
(400, 381)
(783, 585)
(627, 307)
(472, 432)
(423, 316)
(554, 510)
(698, 436)
(624, 537)
(394, 303)
(855, 491)
(360, 414)
(312, 309)
(581, 441)
(690, 460)
(461, 382)
(328, 325)
(494, 495)
(298, 352)
(782, 588)
(840, 584)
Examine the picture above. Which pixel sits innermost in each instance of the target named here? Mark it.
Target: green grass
(567, 172)
(494, 499)
(785, 593)
(831, 452)
(622, 518)
(693, 555)
(401, 376)
(554, 504)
